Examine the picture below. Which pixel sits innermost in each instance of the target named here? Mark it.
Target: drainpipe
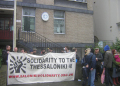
(14, 29)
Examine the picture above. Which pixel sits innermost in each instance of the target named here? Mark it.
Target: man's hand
(87, 66)
(91, 69)
(96, 59)
(8, 52)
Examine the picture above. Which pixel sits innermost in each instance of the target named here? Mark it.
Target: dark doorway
(6, 25)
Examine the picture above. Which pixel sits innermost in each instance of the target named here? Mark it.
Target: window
(28, 20)
(59, 22)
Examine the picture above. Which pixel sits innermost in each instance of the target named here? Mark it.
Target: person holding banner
(5, 54)
(51, 50)
(77, 57)
(15, 49)
(22, 50)
(66, 49)
(43, 52)
(34, 51)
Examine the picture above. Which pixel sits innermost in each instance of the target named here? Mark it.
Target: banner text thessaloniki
(49, 66)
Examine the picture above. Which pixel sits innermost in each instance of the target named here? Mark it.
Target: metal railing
(34, 39)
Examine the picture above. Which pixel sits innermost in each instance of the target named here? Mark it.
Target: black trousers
(108, 77)
(98, 70)
(85, 75)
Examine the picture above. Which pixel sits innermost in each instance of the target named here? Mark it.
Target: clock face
(45, 16)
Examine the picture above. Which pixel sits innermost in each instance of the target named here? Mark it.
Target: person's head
(88, 50)
(8, 47)
(66, 48)
(85, 50)
(114, 51)
(15, 49)
(22, 50)
(25, 51)
(31, 51)
(34, 50)
(96, 50)
(106, 48)
(50, 50)
(74, 49)
(43, 51)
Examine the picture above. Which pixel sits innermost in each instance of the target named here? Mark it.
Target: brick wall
(79, 27)
(90, 4)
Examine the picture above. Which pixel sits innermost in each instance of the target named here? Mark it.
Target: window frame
(27, 16)
(60, 19)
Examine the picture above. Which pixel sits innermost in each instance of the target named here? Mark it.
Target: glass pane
(1, 24)
(6, 24)
(59, 14)
(28, 23)
(59, 26)
(29, 11)
(32, 24)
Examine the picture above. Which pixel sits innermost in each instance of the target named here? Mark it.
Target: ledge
(51, 7)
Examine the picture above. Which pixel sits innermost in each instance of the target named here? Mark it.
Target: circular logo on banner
(45, 16)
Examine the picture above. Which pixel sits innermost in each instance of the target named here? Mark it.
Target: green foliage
(89, 46)
(116, 45)
(100, 48)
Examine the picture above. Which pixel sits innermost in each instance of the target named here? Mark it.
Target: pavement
(3, 80)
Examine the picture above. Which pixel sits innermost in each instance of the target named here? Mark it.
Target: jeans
(91, 77)
(107, 77)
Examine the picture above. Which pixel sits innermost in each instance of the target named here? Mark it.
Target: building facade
(65, 22)
(107, 20)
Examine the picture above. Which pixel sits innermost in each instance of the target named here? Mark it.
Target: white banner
(25, 68)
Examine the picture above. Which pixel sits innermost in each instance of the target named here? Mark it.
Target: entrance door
(6, 28)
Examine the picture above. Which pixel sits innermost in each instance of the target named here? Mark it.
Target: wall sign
(45, 16)
(100, 44)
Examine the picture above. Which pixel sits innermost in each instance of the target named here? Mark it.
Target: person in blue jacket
(90, 63)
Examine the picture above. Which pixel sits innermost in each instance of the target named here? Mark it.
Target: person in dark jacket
(51, 50)
(107, 65)
(90, 63)
(84, 69)
(99, 59)
(75, 50)
(5, 54)
(92, 66)
(34, 51)
(43, 52)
